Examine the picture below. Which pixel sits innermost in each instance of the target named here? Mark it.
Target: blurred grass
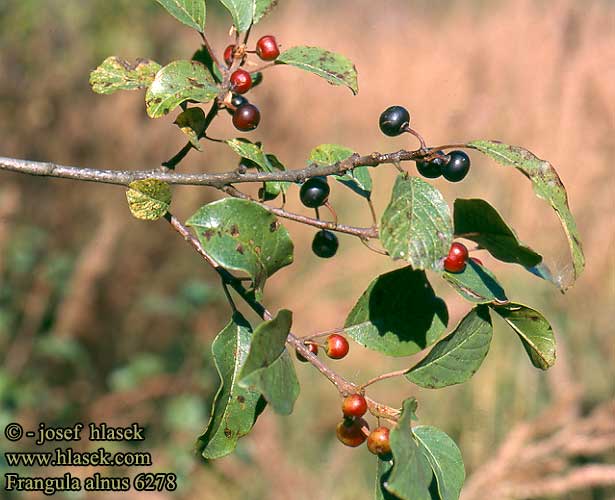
(93, 302)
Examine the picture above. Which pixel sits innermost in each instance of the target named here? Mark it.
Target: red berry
(228, 55)
(478, 261)
(267, 48)
(246, 117)
(349, 431)
(457, 258)
(378, 441)
(313, 348)
(354, 406)
(241, 81)
(337, 346)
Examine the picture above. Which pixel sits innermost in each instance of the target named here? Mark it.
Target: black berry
(325, 244)
(433, 168)
(314, 192)
(246, 117)
(394, 120)
(236, 101)
(457, 166)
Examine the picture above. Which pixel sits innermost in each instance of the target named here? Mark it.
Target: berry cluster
(314, 193)
(453, 166)
(353, 430)
(336, 347)
(246, 116)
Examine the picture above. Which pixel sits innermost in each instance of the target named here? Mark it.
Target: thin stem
(374, 249)
(384, 376)
(212, 54)
(343, 386)
(333, 212)
(246, 36)
(262, 68)
(372, 211)
(229, 297)
(418, 136)
(326, 333)
(361, 232)
(173, 162)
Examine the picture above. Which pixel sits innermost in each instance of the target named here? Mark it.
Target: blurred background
(105, 318)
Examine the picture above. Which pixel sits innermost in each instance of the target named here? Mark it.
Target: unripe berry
(337, 346)
(457, 257)
(228, 55)
(246, 117)
(267, 48)
(325, 244)
(394, 120)
(241, 81)
(378, 441)
(313, 348)
(350, 433)
(354, 405)
(457, 166)
(314, 192)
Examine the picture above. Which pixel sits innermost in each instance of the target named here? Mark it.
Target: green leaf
(383, 471)
(411, 475)
(264, 162)
(416, 226)
(334, 68)
(268, 343)
(277, 383)
(276, 187)
(268, 369)
(358, 179)
(478, 221)
(398, 315)
(235, 408)
(252, 152)
(148, 199)
(118, 74)
(457, 357)
(179, 82)
(476, 284)
(547, 186)
(242, 12)
(243, 236)
(534, 331)
(189, 12)
(192, 123)
(262, 8)
(445, 460)
(203, 56)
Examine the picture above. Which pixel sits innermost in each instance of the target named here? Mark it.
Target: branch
(217, 180)
(343, 386)
(362, 232)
